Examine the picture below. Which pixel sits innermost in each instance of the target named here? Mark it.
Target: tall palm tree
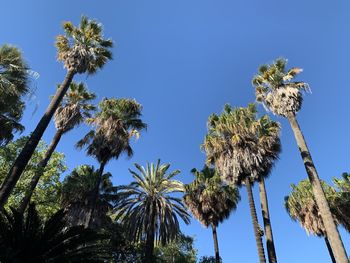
(243, 149)
(13, 86)
(29, 239)
(148, 209)
(117, 121)
(74, 108)
(82, 50)
(77, 192)
(210, 200)
(278, 93)
(301, 207)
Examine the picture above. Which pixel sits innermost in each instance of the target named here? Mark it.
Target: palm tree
(114, 125)
(148, 209)
(27, 239)
(82, 49)
(278, 93)
(74, 108)
(77, 193)
(301, 207)
(243, 149)
(210, 200)
(13, 86)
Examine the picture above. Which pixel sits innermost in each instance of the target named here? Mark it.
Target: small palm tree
(82, 50)
(210, 200)
(77, 194)
(13, 86)
(301, 207)
(27, 239)
(147, 208)
(243, 149)
(278, 93)
(114, 125)
(74, 109)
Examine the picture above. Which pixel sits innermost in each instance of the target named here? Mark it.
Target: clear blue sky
(185, 59)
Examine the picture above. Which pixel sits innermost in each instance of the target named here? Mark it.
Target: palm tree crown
(83, 49)
(208, 198)
(148, 209)
(274, 88)
(77, 191)
(301, 206)
(13, 86)
(117, 121)
(74, 108)
(241, 145)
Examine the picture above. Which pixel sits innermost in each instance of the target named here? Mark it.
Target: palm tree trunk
(258, 239)
(41, 166)
(320, 198)
(216, 244)
(330, 250)
(95, 197)
(149, 251)
(23, 158)
(270, 245)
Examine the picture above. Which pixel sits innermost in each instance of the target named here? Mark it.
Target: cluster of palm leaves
(241, 149)
(13, 87)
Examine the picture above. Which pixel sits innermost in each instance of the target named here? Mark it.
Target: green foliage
(46, 194)
(124, 249)
(13, 86)
(180, 250)
(29, 239)
(208, 259)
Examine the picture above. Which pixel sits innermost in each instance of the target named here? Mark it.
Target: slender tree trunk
(258, 239)
(216, 244)
(330, 250)
(95, 197)
(28, 150)
(320, 198)
(270, 245)
(149, 251)
(41, 166)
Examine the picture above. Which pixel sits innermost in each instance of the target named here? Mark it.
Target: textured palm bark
(258, 239)
(270, 245)
(216, 244)
(320, 198)
(330, 250)
(41, 166)
(28, 150)
(95, 197)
